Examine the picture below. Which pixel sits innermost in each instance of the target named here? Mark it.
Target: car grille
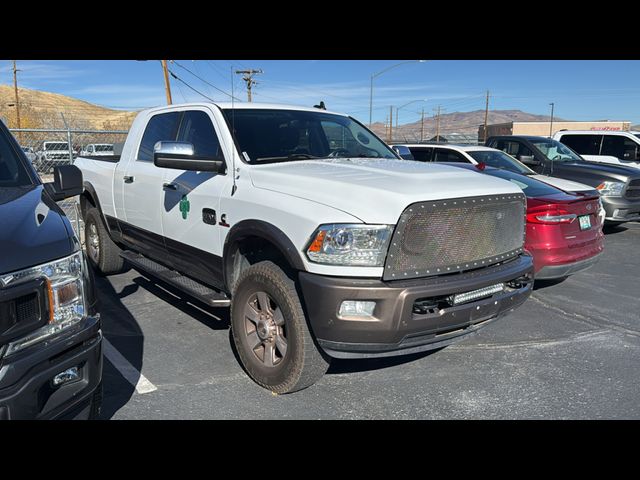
(447, 236)
(23, 308)
(633, 189)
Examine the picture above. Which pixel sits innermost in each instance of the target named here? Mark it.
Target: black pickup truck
(619, 186)
(50, 336)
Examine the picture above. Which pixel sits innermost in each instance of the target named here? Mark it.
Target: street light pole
(551, 123)
(375, 75)
(406, 104)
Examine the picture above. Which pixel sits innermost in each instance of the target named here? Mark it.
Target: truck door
(190, 204)
(142, 189)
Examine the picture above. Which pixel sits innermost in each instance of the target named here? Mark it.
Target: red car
(564, 230)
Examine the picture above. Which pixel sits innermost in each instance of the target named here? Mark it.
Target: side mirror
(403, 152)
(528, 160)
(181, 156)
(67, 182)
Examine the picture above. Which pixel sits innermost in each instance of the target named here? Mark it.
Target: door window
(161, 128)
(583, 144)
(421, 154)
(442, 155)
(619, 147)
(196, 128)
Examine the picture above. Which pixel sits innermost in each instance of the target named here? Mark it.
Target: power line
(189, 86)
(203, 80)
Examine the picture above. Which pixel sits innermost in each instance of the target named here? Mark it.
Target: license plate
(585, 222)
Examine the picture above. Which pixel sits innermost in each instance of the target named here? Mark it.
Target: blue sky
(581, 90)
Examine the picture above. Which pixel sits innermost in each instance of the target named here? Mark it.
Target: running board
(197, 290)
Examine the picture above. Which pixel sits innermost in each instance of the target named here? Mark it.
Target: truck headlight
(65, 289)
(350, 244)
(611, 189)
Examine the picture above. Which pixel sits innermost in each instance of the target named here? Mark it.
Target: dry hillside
(42, 110)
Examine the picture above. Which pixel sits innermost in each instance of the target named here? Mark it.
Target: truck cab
(322, 241)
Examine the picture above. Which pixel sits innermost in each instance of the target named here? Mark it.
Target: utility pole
(390, 123)
(551, 124)
(248, 78)
(422, 127)
(438, 125)
(15, 88)
(167, 85)
(486, 116)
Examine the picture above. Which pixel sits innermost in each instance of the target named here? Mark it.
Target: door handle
(128, 178)
(170, 186)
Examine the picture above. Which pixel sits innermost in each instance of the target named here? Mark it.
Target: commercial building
(545, 129)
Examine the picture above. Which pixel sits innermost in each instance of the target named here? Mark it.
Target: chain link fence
(48, 148)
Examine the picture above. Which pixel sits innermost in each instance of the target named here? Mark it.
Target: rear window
(530, 186)
(104, 148)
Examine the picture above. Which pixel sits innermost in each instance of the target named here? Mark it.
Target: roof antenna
(320, 106)
(233, 136)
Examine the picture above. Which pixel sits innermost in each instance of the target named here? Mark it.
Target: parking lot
(570, 352)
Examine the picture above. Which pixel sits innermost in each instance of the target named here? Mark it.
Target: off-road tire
(304, 363)
(108, 259)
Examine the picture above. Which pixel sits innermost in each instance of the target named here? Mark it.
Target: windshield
(500, 160)
(556, 151)
(56, 146)
(104, 148)
(530, 186)
(12, 171)
(266, 135)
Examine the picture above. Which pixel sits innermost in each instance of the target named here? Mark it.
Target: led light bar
(476, 294)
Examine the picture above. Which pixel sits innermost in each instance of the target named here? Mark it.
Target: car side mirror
(181, 156)
(67, 182)
(403, 152)
(528, 160)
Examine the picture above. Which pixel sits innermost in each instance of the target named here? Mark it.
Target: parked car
(50, 337)
(480, 155)
(97, 149)
(604, 146)
(619, 186)
(53, 153)
(29, 153)
(564, 230)
(321, 252)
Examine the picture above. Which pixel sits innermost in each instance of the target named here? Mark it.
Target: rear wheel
(102, 252)
(270, 331)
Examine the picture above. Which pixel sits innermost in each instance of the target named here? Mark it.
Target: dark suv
(619, 186)
(50, 337)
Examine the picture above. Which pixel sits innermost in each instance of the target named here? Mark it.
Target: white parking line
(128, 371)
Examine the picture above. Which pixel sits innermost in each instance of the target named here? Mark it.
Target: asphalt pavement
(572, 351)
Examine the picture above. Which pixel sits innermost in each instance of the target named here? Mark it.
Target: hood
(374, 190)
(33, 229)
(601, 170)
(562, 184)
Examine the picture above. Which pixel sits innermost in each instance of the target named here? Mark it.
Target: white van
(604, 146)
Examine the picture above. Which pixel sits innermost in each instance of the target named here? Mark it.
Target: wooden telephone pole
(438, 125)
(422, 127)
(167, 85)
(247, 76)
(390, 123)
(15, 88)
(486, 116)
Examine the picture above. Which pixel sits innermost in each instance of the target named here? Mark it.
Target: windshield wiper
(293, 156)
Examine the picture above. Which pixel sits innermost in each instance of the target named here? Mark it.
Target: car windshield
(556, 151)
(13, 173)
(104, 148)
(266, 135)
(56, 146)
(500, 160)
(530, 186)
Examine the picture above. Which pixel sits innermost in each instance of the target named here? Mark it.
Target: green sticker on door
(184, 206)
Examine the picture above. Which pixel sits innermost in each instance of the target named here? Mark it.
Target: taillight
(549, 215)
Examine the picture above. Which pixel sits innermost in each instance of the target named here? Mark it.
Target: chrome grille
(633, 189)
(447, 236)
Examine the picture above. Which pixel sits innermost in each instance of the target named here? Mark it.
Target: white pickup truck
(324, 243)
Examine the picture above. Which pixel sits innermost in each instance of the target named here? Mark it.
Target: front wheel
(102, 252)
(270, 331)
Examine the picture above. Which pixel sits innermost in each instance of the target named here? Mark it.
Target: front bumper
(26, 387)
(621, 209)
(395, 329)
